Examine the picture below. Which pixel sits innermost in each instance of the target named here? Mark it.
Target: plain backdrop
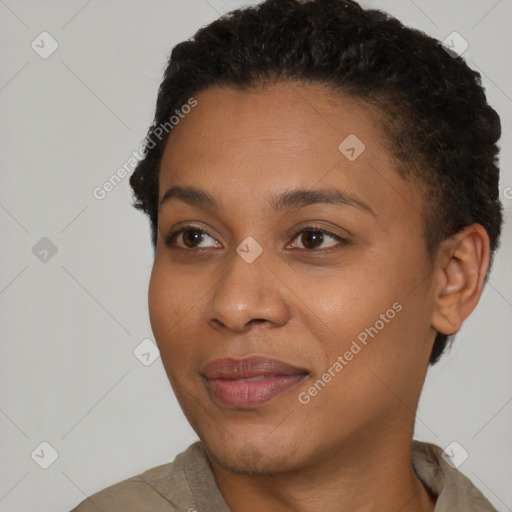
(74, 269)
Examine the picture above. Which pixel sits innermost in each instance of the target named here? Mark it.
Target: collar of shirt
(455, 492)
(187, 485)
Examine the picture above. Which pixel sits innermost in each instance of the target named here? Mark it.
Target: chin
(248, 460)
(253, 456)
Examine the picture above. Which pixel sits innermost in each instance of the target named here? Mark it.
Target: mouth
(251, 381)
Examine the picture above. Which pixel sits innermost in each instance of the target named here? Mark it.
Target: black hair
(436, 118)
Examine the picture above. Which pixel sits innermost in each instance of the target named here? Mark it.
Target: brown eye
(313, 239)
(189, 237)
(192, 236)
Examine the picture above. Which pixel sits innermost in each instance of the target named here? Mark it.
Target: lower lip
(239, 394)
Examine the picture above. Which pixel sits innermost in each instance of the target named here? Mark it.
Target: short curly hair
(436, 118)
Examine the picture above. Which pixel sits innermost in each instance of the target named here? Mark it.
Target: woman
(322, 188)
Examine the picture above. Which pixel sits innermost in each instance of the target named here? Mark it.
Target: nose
(249, 293)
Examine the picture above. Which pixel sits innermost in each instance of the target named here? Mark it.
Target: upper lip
(247, 367)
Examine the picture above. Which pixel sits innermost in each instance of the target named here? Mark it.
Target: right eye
(189, 236)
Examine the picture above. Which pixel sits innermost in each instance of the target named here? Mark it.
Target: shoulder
(438, 472)
(160, 489)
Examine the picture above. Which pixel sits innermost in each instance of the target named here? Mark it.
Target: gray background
(70, 324)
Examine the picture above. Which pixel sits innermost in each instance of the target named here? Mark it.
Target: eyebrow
(292, 199)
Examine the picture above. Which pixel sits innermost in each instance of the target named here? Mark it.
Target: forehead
(297, 120)
(261, 141)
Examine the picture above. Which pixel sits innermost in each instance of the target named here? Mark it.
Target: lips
(251, 381)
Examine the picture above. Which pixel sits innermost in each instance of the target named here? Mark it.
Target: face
(291, 296)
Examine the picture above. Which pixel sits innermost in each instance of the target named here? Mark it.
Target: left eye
(311, 238)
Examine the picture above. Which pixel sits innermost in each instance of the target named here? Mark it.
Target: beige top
(187, 485)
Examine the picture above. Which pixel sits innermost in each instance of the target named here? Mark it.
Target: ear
(463, 260)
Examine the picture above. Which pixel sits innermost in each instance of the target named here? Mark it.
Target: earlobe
(463, 261)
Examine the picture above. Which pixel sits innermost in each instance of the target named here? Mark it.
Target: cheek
(160, 303)
(369, 317)
(384, 348)
(352, 300)
(171, 301)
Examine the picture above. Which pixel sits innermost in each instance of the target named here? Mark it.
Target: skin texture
(348, 448)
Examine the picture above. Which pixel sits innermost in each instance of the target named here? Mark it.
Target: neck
(366, 477)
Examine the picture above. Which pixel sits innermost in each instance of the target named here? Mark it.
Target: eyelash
(342, 241)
